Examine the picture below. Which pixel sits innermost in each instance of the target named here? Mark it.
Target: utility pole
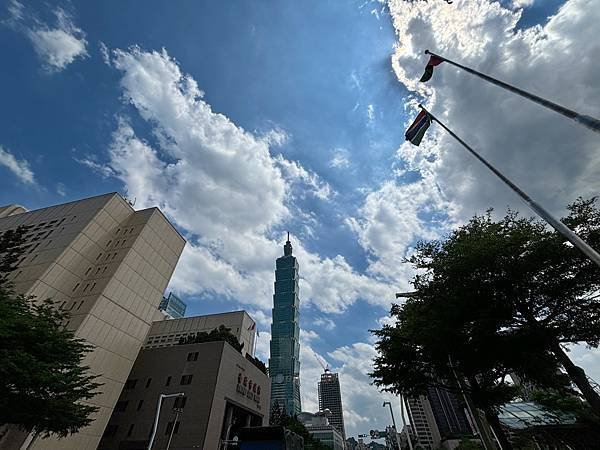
(161, 397)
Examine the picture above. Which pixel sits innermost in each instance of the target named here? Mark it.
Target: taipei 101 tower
(284, 363)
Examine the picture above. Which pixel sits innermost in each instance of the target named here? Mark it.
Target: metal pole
(536, 207)
(588, 121)
(155, 425)
(393, 421)
(409, 428)
(172, 431)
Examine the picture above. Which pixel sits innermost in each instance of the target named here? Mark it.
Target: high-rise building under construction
(330, 397)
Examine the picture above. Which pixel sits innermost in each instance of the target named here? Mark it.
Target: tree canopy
(493, 298)
(43, 384)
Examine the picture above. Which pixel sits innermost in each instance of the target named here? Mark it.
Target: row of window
(131, 383)
(111, 429)
(114, 255)
(85, 289)
(99, 270)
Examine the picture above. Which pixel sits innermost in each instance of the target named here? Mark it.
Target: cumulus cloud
(393, 217)
(20, 168)
(57, 46)
(551, 157)
(224, 187)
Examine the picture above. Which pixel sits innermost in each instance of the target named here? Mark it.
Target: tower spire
(287, 248)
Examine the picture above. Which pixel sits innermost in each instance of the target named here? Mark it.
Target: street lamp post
(177, 412)
(393, 422)
(161, 397)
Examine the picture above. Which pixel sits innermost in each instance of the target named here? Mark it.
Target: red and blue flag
(417, 130)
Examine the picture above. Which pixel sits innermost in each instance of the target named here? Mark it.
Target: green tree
(493, 298)
(43, 385)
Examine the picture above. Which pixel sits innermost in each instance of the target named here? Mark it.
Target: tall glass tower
(284, 363)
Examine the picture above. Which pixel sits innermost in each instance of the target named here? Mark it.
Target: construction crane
(318, 358)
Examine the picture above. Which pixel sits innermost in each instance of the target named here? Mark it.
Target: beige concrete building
(168, 332)
(108, 265)
(223, 392)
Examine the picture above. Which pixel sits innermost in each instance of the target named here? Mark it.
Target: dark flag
(417, 130)
(433, 61)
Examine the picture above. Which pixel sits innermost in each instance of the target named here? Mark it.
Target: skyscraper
(330, 397)
(108, 265)
(284, 363)
(172, 306)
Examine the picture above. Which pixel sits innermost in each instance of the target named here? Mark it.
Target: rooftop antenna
(288, 236)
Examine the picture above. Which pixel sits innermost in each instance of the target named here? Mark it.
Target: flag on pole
(417, 130)
(433, 61)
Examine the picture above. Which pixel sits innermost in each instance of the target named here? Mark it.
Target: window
(108, 243)
(118, 231)
(140, 403)
(130, 430)
(170, 428)
(113, 256)
(61, 305)
(168, 383)
(88, 270)
(130, 384)
(86, 287)
(192, 356)
(104, 270)
(80, 303)
(121, 406)
(148, 381)
(93, 286)
(98, 270)
(18, 273)
(99, 255)
(186, 379)
(76, 286)
(180, 402)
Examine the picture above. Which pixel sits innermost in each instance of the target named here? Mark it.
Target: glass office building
(284, 363)
(173, 306)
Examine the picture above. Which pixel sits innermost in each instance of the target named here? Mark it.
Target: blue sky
(243, 120)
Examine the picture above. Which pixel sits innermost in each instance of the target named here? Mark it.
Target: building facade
(165, 333)
(172, 306)
(108, 265)
(284, 363)
(330, 397)
(320, 428)
(439, 418)
(223, 393)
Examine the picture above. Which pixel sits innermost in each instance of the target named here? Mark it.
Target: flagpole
(588, 121)
(536, 207)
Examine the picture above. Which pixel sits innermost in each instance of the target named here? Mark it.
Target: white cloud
(20, 168)
(224, 187)
(371, 112)
(57, 46)
(104, 52)
(340, 158)
(392, 218)
(61, 189)
(551, 157)
(522, 3)
(325, 323)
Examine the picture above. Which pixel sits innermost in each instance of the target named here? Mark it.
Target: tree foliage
(43, 384)
(222, 333)
(496, 297)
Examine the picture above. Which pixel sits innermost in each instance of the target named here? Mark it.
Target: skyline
(306, 126)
